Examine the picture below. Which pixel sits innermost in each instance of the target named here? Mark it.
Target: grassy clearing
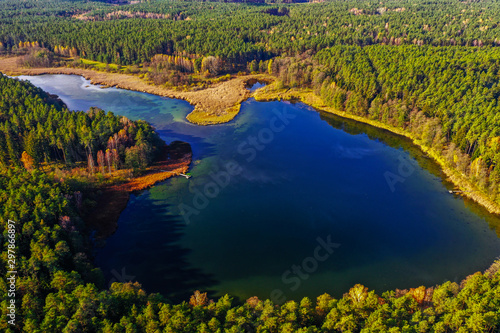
(101, 66)
(98, 65)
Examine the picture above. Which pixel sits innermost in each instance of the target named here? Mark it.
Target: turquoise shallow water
(269, 190)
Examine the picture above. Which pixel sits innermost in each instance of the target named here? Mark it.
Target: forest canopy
(241, 32)
(37, 128)
(430, 68)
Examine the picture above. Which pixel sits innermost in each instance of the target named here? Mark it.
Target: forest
(37, 130)
(430, 68)
(59, 290)
(445, 97)
(240, 32)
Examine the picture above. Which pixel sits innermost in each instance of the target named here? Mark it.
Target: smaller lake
(256, 86)
(313, 203)
(79, 94)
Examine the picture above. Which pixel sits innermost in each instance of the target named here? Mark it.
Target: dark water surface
(286, 202)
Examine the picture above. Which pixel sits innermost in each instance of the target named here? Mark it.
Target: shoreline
(213, 105)
(221, 103)
(308, 97)
(177, 157)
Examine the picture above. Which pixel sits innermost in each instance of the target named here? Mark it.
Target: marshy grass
(201, 117)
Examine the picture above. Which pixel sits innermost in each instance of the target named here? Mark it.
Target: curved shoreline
(221, 103)
(176, 159)
(214, 105)
(308, 97)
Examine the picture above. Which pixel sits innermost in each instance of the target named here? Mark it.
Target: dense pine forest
(430, 68)
(35, 129)
(58, 289)
(446, 97)
(240, 32)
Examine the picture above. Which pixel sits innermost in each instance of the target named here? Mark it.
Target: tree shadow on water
(146, 248)
(387, 137)
(201, 148)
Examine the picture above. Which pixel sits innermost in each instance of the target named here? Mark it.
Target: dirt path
(213, 105)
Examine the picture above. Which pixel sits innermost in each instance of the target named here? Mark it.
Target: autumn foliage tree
(28, 161)
(199, 299)
(35, 125)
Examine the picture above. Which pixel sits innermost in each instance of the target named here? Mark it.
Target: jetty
(180, 174)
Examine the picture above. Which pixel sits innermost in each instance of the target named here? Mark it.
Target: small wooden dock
(180, 174)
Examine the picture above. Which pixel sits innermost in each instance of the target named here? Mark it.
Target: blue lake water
(286, 202)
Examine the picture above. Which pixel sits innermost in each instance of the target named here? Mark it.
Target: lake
(285, 202)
